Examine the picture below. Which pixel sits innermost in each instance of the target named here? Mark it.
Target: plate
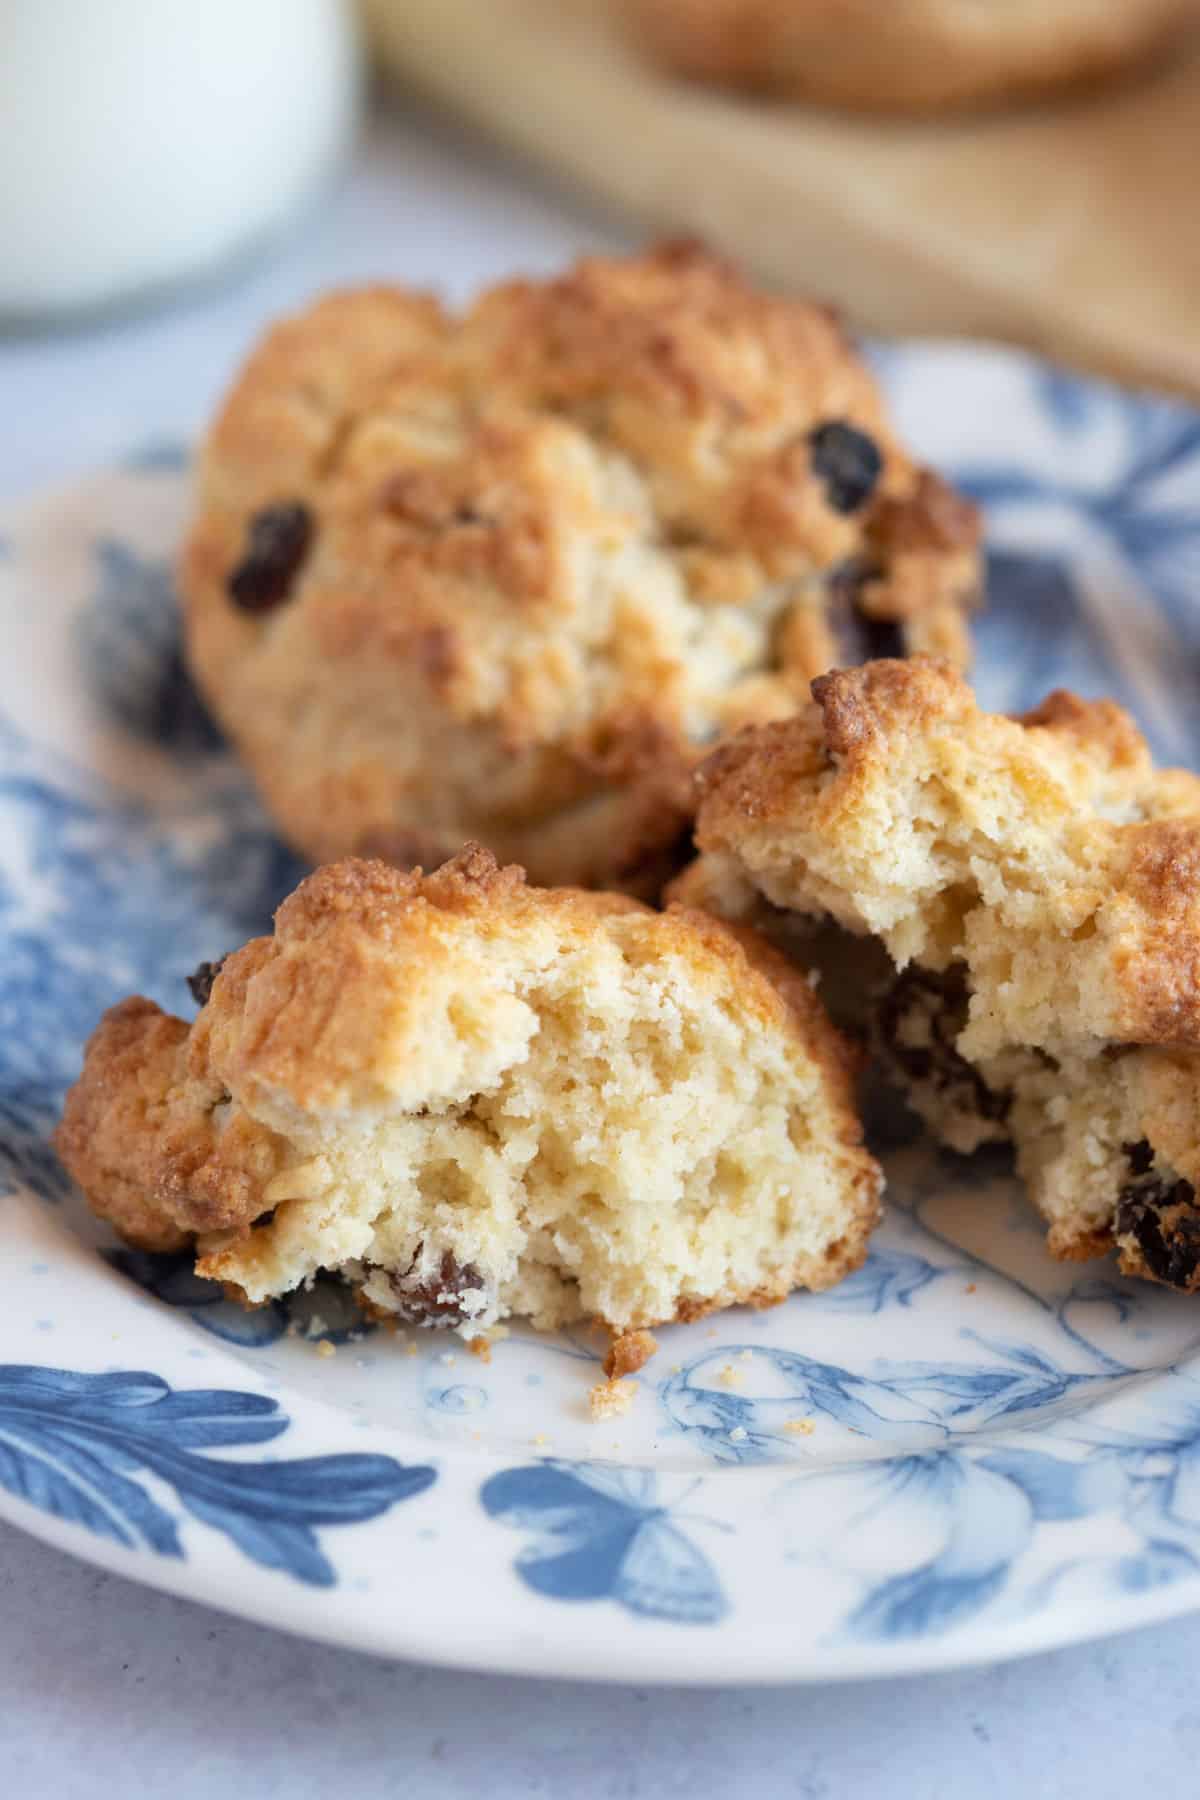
(964, 1452)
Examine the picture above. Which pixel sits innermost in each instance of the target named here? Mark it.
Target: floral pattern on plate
(964, 1451)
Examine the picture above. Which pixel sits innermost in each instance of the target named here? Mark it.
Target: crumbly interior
(1110, 1149)
(1069, 1123)
(1047, 855)
(631, 1149)
(1107, 1142)
(1035, 884)
(473, 1100)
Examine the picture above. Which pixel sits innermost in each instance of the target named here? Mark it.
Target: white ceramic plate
(964, 1452)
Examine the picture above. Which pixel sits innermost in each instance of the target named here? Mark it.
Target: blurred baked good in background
(899, 55)
(1068, 227)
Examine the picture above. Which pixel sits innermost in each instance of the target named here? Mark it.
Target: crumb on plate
(611, 1399)
(628, 1353)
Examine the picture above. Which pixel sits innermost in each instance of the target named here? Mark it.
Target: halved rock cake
(1036, 884)
(475, 1099)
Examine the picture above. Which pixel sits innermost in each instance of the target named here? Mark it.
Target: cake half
(1035, 884)
(473, 1099)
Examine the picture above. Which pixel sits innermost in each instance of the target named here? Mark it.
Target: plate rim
(709, 1663)
(566, 1641)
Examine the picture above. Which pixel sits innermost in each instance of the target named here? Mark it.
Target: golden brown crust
(1159, 956)
(863, 711)
(910, 55)
(1106, 732)
(628, 1353)
(555, 545)
(1089, 844)
(138, 1134)
(1067, 1244)
(109, 1135)
(383, 995)
(328, 1014)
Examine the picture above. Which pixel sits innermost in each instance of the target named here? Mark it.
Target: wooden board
(1074, 229)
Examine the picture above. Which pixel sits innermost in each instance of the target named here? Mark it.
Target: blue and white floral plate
(964, 1452)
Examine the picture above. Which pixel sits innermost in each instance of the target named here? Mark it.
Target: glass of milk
(144, 143)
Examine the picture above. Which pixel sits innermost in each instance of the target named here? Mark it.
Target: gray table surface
(106, 1688)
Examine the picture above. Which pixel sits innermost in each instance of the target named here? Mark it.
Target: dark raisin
(848, 462)
(1139, 1156)
(858, 635)
(1160, 1216)
(937, 1003)
(200, 981)
(883, 638)
(277, 542)
(434, 1300)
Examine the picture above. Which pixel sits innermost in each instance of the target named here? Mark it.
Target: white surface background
(106, 1688)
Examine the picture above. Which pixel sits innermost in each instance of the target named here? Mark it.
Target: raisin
(434, 1300)
(276, 544)
(858, 635)
(1160, 1216)
(848, 462)
(939, 1002)
(200, 981)
(1140, 1157)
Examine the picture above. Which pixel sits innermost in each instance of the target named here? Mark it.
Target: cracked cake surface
(505, 575)
(473, 1099)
